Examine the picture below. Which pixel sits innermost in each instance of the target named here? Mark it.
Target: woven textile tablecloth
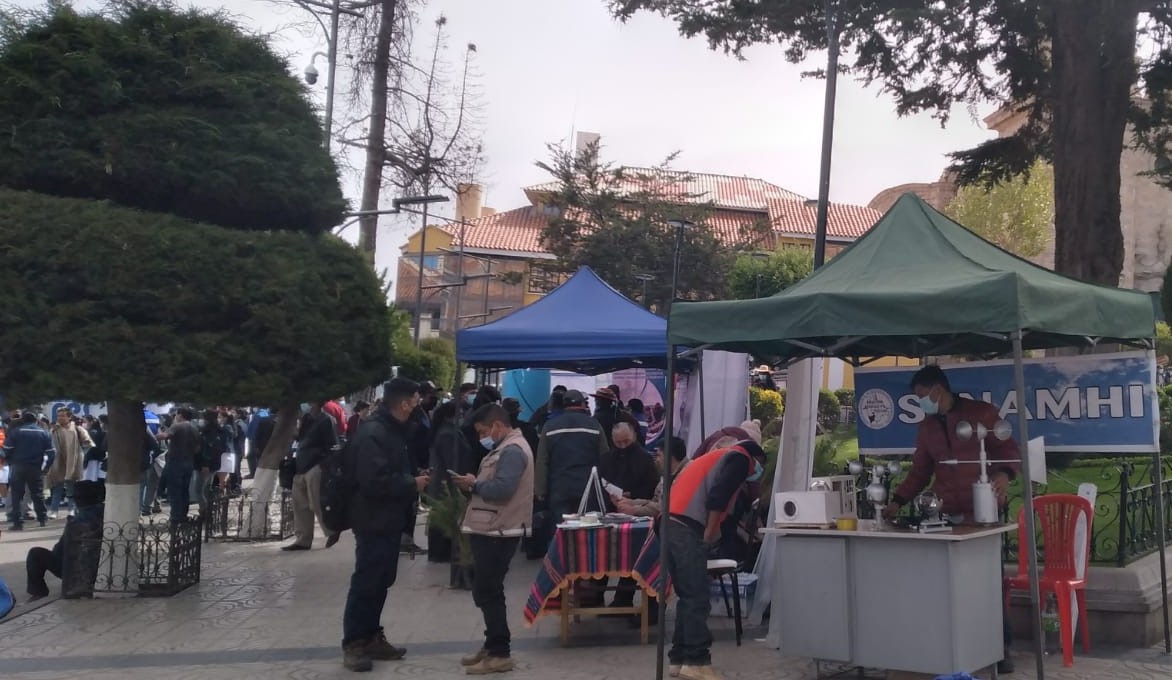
(605, 550)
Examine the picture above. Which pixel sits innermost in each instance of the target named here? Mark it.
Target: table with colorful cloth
(629, 549)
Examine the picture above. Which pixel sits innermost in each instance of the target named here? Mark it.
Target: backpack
(336, 489)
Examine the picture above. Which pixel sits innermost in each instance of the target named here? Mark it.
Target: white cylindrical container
(984, 503)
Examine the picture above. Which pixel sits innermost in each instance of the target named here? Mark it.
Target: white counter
(894, 599)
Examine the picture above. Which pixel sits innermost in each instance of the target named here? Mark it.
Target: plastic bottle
(1051, 625)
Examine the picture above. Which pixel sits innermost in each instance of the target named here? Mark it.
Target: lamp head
(311, 74)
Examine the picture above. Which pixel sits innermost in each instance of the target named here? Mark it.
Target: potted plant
(446, 514)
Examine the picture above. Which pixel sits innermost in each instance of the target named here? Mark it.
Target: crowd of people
(518, 478)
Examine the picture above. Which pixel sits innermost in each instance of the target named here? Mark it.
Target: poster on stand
(1091, 403)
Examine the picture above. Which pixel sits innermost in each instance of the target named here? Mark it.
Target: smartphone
(454, 473)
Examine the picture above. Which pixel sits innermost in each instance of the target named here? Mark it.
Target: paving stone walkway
(260, 613)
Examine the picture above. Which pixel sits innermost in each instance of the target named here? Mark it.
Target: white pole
(1027, 494)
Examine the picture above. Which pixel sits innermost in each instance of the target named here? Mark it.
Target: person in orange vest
(701, 497)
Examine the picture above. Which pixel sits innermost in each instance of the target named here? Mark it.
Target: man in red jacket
(936, 441)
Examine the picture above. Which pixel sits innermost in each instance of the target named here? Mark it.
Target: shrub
(846, 397)
(829, 408)
(765, 405)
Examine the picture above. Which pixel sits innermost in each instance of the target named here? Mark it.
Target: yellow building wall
(437, 241)
(848, 372)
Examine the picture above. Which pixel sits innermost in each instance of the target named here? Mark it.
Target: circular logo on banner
(876, 409)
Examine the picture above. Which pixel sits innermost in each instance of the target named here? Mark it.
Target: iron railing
(240, 516)
(148, 558)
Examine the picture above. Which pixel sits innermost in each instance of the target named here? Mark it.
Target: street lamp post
(827, 135)
(645, 278)
(425, 201)
(678, 225)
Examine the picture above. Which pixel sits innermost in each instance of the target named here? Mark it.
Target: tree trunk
(372, 174)
(264, 483)
(1093, 72)
(123, 475)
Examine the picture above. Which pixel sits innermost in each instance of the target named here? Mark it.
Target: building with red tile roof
(503, 256)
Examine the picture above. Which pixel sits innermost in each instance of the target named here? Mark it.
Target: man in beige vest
(71, 443)
(499, 514)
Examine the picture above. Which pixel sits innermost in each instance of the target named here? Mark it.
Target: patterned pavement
(263, 614)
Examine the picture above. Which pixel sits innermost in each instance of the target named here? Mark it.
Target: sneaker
(294, 547)
(473, 659)
(490, 664)
(43, 522)
(355, 657)
(52, 515)
(380, 650)
(699, 673)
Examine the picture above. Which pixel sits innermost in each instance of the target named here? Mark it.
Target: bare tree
(421, 133)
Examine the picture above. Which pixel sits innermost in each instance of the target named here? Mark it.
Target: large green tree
(1071, 67)
(763, 274)
(164, 194)
(1016, 214)
(616, 220)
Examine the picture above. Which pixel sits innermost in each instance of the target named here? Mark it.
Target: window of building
(543, 279)
(433, 262)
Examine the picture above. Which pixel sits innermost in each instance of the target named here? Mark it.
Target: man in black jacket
(317, 436)
(385, 492)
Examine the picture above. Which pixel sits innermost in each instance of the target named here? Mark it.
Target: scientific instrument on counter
(876, 491)
(985, 509)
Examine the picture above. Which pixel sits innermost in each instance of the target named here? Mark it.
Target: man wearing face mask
(701, 497)
(498, 515)
(936, 441)
(628, 467)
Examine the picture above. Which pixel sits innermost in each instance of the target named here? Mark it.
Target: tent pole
(1027, 490)
(700, 379)
(1158, 480)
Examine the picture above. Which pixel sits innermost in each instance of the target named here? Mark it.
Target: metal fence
(242, 516)
(148, 558)
(1125, 508)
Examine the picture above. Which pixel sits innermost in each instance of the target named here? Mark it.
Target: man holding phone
(499, 513)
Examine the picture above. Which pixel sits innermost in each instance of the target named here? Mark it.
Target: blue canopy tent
(583, 325)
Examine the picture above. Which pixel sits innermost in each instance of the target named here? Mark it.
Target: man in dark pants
(89, 497)
(701, 497)
(384, 494)
(184, 445)
(498, 515)
(25, 449)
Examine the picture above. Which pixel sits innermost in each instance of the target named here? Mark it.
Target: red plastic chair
(1057, 516)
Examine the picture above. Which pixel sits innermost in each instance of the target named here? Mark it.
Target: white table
(896, 600)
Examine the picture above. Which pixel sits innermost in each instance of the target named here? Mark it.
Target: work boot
(380, 650)
(473, 659)
(699, 673)
(491, 664)
(356, 657)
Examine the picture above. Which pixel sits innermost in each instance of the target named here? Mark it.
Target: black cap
(400, 387)
(574, 398)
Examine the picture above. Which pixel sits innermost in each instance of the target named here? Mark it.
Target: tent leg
(700, 378)
(664, 523)
(1028, 544)
(1158, 480)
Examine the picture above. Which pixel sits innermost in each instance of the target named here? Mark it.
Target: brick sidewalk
(260, 613)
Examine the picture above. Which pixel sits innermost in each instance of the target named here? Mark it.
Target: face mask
(929, 407)
(488, 442)
(305, 408)
(469, 399)
(758, 470)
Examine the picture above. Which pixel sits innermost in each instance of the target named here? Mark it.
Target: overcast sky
(549, 67)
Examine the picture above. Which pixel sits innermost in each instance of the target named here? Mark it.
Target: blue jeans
(22, 475)
(376, 564)
(686, 558)
(178, 476)
(59, 492)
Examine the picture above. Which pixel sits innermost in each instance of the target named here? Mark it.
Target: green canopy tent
(918, 284)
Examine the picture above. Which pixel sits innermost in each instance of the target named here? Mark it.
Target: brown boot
(491, 664)
(473, 659)
(355, 657)
(380, 650)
